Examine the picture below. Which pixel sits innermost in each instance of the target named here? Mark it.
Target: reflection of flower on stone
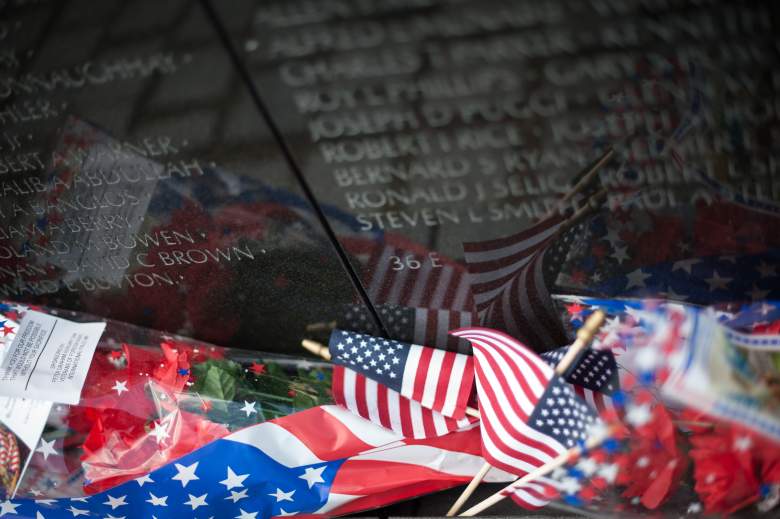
(224, 254)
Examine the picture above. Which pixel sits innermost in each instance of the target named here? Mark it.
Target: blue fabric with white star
(752, 315)
(562, 415)
(703, 281)
(595, 370)
(225, 479)
(376, 358)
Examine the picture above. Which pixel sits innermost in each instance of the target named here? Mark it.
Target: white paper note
(49, 358)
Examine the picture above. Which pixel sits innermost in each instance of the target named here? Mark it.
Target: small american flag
(594, 378)
(529, 415)
(439, 380)
(427, 326)
(383, 406)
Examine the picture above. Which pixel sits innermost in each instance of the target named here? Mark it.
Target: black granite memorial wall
(246, 172)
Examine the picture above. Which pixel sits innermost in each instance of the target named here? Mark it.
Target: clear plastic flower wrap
(696, 428)
(149, 398)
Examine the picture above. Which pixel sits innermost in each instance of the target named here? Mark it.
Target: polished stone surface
(424, 124)
(138, 181)
(142, 176)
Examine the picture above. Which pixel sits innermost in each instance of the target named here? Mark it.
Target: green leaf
(208, 374)
(218, 383)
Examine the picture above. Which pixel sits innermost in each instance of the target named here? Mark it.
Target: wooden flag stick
(316, 348)
(599, 197)
(589, 174)
(473, 484)
(584, 336)
(316, 327)
(322, 351)
(559, 461)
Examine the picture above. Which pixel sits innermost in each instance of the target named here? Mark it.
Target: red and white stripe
(380, 468)
(596, 399)
(535, 494)
(525, 308)
(507, 279)
(493, 264)
(510, 381)
(433, 326)
(441, 287)
(383, 406)
(439, 380)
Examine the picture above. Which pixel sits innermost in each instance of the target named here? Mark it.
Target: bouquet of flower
(698, 412)
(148, 398)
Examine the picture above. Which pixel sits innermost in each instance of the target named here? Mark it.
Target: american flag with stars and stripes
(439, 380)
(383, 406)
(429, 326)
(509, 282)
(322, 461)
(529, 415)
(594, 377)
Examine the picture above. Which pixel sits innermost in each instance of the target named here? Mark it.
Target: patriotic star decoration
(144, 480)
(186, 474)
(46, 448)
(116, 502)
(563, 416)
(705, 280)
(120, 387)
(226, 478)
(7, 328)
(249, 408)
(160, 432)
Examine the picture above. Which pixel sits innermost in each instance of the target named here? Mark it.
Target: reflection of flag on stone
(439, 380)
(702, 280)
(427, 326)
(389, 278)
(323, 461)
(383, 406)
(492, 264)
(529, 415)
(509, 280)
(677, 253)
